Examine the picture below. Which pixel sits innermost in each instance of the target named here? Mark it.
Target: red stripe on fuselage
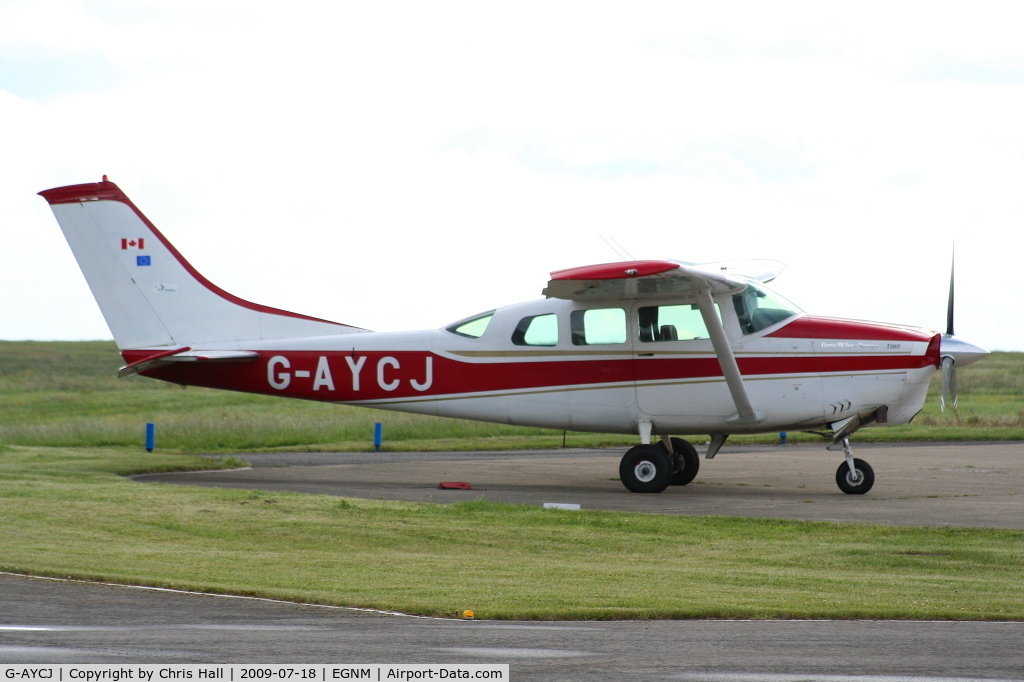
(668, 369)
(402, 370)
(415, 374)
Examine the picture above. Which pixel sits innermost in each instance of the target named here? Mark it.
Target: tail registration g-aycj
(653, 348)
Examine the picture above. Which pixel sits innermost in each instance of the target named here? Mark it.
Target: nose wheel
(854, 476)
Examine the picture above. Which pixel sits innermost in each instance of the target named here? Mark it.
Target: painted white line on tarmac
(26, 628)
(169, 626)
(356, 609)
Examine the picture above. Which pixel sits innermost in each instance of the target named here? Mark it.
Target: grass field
(69, 431)
(67, 512)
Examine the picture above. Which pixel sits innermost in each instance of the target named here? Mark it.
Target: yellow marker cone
(469, 615)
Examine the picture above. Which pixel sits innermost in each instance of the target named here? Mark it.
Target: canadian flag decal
(127, 244)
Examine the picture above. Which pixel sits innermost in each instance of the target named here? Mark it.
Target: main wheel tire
(855, 485)
(686, 463)
(645, 469)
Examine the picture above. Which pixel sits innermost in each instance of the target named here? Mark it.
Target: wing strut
(746, 414)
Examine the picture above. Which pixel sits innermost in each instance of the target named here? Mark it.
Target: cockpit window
(472, 327)
(759, 309)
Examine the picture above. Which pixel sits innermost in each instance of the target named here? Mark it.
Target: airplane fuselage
(806, 372)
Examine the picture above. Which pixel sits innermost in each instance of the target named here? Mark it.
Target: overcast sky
(400, 165)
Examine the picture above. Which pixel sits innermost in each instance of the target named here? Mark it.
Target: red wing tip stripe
(621, 270)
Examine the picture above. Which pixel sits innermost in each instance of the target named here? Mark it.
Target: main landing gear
(652, 468)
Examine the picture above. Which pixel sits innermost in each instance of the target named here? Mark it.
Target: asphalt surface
(974, 484)
(46, 621)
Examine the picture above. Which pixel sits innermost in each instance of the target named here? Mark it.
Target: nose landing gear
(854, 476)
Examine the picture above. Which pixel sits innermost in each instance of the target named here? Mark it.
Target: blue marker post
(782, 437)
(150, 436)
(378, 436)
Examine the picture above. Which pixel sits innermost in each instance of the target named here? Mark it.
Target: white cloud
(398, 165)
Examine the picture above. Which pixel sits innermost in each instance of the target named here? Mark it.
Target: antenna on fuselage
(617, 248)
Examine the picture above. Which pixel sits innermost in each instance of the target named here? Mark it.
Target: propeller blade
(952, 386)
(947, 372)
(949, 304)
(952, 350)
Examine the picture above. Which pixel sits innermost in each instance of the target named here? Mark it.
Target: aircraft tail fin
(150, 296)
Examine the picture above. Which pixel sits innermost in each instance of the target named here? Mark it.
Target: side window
(599, 326)
(537, 330)
(672, 323)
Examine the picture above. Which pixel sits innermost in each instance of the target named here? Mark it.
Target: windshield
(472, 327)
(759, 309)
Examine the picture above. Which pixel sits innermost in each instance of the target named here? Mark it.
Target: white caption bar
(381, 672)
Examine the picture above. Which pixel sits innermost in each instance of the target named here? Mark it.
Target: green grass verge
(67, 394)
(68, 512)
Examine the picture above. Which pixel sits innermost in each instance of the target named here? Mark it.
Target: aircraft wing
(656, 279)
(653, 279)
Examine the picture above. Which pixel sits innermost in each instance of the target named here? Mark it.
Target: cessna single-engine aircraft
(652, 347)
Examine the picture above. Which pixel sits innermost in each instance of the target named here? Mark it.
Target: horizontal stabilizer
(183, 355)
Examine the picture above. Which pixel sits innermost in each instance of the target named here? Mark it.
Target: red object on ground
(454, 485)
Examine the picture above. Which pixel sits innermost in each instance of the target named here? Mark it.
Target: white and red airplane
(653, 348)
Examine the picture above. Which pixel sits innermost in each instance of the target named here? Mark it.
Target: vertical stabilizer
(148, 293)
